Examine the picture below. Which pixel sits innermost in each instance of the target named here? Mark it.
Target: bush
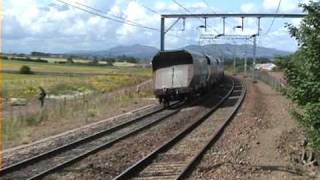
(303, 71)
(282, 62)
(109, 63)
(25, 70)
(4, 57)
(70, 60)
(28, 59)
(312, 123)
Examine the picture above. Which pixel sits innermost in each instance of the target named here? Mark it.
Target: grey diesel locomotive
(179, 74)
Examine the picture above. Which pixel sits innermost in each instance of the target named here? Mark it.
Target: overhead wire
(181, 6)
(214, 12)
(157, 12)
(94, 9)
(190, 12)
(108, 17)
(114, 18)
(277, 10)
(187, 10)
(205, 2)
(148, 8)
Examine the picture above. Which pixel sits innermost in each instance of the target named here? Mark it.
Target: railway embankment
(263, 142)
(26, 124)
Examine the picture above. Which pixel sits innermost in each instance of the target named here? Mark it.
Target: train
(180, 74)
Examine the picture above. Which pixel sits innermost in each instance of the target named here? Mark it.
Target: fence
(82, 106)
(278, 84)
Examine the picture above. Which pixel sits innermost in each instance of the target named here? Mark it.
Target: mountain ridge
(144, 52)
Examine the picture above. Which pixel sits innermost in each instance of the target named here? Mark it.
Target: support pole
(162, 34)
(254, 57)
(205, 23)
(184, 24)
(245, 61)
(259, 21)
(242, 23)
(234, 58)
(224, 25)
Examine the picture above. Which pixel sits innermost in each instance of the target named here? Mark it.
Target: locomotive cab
(179, 74)
(172, 71)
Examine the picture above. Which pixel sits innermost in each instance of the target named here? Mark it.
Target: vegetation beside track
(303, 71)
(75, 93)
(61, 79)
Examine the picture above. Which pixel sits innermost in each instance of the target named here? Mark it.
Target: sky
(52, 26)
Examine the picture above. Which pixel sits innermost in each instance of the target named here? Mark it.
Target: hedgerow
(303, 71)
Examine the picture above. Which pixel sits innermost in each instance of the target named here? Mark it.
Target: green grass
(64, 79)
(73, 68)
(21, 126)
(60, 79)
(16, 77)
(26, 86)
(59, 68)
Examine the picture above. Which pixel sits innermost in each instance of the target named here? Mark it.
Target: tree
(25, 70)
(95, 60)
(282, 61)
(70, 60)
(303, 71)
(110, 61)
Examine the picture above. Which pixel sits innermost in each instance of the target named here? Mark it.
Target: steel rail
(188, 169)
(138, 166)
(51, 153)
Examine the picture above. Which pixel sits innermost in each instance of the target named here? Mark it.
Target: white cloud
(30, 25)
(248, 7)
(160, 5)
(200, 5)
(296, 22)
(285, 6)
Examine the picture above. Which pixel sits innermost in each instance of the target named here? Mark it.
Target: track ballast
(176, 158)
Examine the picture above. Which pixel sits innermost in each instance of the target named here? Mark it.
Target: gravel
(112, 161)
(12, 156)
(252, 146)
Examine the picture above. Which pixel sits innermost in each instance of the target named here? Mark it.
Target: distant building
(266, 66)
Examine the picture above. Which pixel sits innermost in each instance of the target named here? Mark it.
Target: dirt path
(275, 120)
(262, 142)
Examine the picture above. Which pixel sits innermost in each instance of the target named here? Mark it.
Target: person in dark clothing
(42, 96)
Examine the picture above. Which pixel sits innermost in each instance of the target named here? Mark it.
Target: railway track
(45, 163)
(177, 157)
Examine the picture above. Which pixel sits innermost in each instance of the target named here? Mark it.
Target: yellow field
(74, 93)
(66, 78)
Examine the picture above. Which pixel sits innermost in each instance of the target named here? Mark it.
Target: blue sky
(51, 26)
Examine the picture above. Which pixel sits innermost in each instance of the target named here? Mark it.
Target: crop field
(61, 79)
(73, 92)
(10, 65)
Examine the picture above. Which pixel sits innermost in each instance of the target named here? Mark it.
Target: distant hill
(137, 51)
(228, 50)
(147, 52)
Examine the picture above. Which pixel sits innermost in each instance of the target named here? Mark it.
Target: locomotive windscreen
(171, 58)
